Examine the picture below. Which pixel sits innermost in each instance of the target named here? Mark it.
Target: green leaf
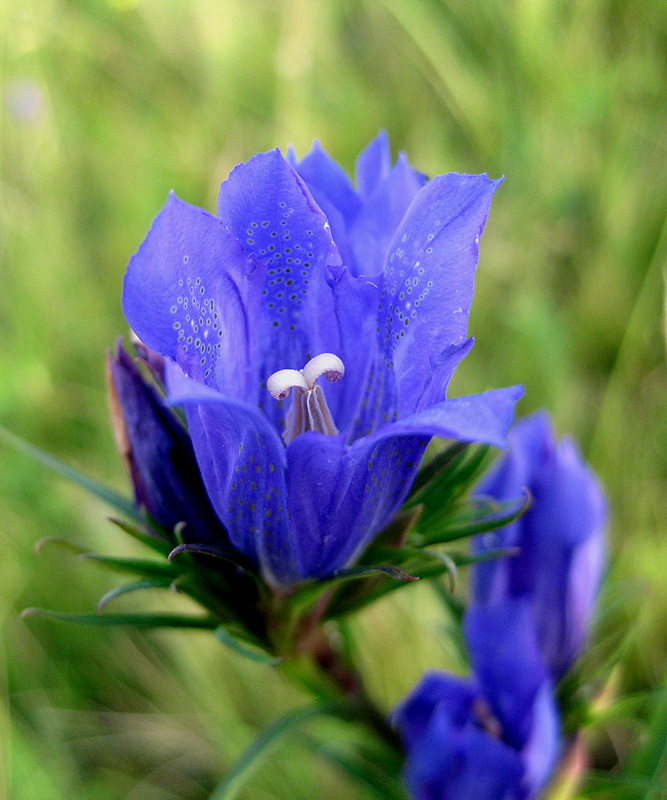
(448, 476)
(155, 541)
(225, 553)
(137, 566)
(474, 521)
(262, 746)
(252, 653)
(126, 588)
(381, 784)
(467, 560)
(312, 590)
(372, 571)
(104, 493)
(131, 620)
(445, 460)
(73, 547)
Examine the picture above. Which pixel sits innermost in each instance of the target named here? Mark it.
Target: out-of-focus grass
(105, 107)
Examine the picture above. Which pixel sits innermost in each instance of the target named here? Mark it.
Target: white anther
(308, 410)
(326, 364)
(280, 383)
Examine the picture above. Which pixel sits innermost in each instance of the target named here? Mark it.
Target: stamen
(282, 381)
(326, 364)
(309, 410)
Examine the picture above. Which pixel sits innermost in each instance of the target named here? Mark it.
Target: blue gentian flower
(159, 456)
(493, 736)
(261, 301)
(560, 539)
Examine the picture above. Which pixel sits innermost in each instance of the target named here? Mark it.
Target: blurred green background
(106, 105)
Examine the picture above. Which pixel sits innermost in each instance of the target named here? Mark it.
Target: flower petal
(412, 715)
(561, 538)
(322, 173)
(191, 294)
(373, 164)
(333, 192)
(442, 370)
(374, 227)
(340, 496)
(159, 455)
(454, 761)
(268, 207)
(428, 278)
(507, 661)
(473, 418)
(355, 304)
(242, 462)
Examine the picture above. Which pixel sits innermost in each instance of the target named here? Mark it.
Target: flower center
(309, 410)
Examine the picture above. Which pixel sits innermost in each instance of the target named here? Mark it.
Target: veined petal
(340, 496)
(428, 278)
(359, 404)
(473, 418)
(373, 164)
(379, 217)
(349, 492)
(268, 207)
(242, 462)
(322, 173)
(191, 294)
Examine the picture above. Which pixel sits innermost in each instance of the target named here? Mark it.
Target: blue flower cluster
(495, 736)
(300, 278)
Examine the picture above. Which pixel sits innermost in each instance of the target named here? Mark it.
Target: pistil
(309, 410)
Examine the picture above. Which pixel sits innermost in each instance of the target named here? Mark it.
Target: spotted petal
(349, 493)
(191, 294)
(242, 462)
(268, 207)
(428, 279)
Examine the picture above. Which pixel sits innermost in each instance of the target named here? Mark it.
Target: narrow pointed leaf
(129, 620)
(445, 460)
(104, 493)
(256, 655)
(126, 588)
(226, 553)
(372, 571)
(471, 524)
(311, 591)
(262, 746)
(154, 541)
(138, 566)
(73, 547)
(465, 560)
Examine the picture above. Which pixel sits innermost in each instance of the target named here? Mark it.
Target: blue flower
(493, 736)
(261, 301)
(159, 456)
(560, 539)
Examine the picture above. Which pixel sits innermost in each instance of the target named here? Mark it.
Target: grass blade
(104, 493)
